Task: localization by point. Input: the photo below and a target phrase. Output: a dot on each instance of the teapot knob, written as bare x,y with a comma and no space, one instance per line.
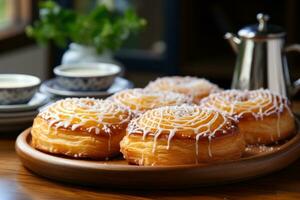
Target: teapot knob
262,20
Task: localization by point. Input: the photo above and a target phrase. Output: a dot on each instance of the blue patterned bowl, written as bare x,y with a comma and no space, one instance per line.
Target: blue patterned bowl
17,88
87,76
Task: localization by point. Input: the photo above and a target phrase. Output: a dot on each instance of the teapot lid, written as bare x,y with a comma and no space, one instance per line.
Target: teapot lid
262,30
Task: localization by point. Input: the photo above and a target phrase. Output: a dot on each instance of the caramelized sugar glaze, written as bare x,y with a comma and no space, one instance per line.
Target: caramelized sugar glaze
264,117
185,134
81,127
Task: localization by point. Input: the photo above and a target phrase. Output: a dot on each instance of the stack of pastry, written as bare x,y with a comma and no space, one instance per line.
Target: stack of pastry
173,121
263,116
186,134
82,128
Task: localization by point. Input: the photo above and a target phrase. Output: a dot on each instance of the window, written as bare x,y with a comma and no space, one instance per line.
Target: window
14,16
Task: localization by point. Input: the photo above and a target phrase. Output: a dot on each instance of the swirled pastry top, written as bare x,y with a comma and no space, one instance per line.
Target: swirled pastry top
91,115
141,100
184,121
255,103
187,85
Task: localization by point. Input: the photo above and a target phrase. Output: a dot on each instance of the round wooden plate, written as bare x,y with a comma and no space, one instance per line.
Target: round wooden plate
117,173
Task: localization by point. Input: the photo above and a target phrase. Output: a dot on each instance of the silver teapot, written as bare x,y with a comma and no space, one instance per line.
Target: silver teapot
261,60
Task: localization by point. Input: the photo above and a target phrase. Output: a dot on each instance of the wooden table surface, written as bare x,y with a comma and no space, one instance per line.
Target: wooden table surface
17,183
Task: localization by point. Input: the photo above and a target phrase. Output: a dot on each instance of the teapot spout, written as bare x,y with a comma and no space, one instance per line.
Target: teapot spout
233,40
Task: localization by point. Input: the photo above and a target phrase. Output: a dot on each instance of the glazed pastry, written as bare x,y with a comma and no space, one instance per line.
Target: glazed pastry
179,135
197,88
264,117
81,128
140,100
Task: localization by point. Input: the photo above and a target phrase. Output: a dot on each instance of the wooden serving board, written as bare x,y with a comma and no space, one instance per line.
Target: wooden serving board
118,174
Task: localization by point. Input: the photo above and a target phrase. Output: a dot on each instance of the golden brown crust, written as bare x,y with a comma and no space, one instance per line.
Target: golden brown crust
77,144
140,100
267,130
181,151
75,128
179,135
263,116
197,88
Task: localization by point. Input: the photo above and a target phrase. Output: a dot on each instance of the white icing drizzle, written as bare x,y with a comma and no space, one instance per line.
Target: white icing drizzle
278,124
257,103
156,135
170,136
209,146
195,121
188,85
109,142
140,100
89,114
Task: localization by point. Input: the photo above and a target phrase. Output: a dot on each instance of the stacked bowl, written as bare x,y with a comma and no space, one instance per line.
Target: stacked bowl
19,101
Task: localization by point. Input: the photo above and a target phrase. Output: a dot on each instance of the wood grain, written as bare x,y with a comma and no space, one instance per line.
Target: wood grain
117,173
17,183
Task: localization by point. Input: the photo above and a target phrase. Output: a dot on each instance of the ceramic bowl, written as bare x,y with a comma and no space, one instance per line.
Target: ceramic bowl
17,88
87,76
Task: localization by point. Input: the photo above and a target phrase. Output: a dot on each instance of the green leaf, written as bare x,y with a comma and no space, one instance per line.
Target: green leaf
101,28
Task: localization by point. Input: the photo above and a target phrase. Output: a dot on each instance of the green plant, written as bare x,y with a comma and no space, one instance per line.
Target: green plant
100,28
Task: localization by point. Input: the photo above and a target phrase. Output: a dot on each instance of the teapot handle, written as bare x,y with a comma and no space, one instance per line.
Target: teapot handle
291,48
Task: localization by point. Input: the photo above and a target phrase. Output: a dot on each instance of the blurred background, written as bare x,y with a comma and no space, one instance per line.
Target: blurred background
182,37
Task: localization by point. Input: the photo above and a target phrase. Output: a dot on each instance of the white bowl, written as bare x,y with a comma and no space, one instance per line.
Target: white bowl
87,76
17,88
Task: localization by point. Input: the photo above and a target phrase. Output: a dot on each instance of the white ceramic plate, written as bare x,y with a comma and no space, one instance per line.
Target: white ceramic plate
50,87
38,100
